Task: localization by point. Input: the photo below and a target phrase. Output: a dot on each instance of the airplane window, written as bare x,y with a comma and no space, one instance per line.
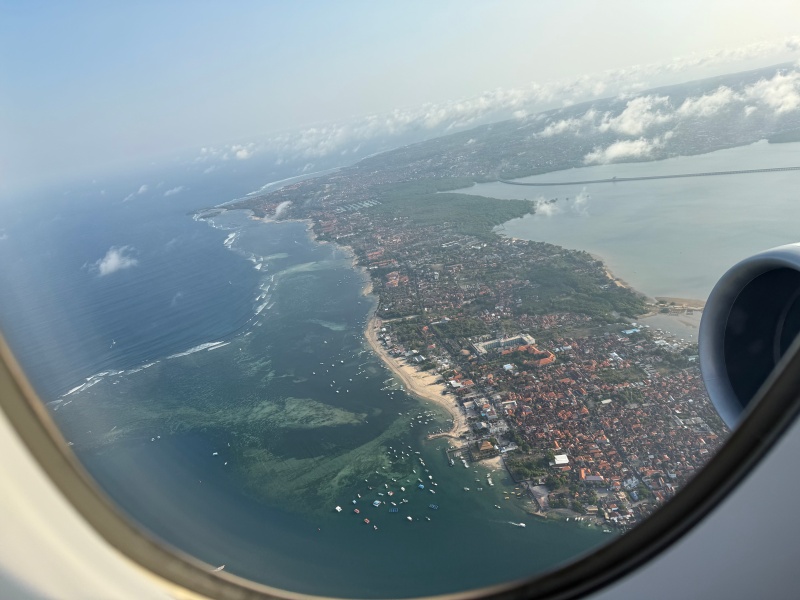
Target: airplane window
311,305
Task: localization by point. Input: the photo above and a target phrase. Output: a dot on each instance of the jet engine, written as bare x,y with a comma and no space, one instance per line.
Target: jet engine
751,318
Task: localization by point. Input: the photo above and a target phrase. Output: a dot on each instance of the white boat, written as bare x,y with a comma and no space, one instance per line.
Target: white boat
517,524
338,509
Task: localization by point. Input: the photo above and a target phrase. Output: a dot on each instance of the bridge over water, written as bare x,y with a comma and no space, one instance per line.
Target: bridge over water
650,177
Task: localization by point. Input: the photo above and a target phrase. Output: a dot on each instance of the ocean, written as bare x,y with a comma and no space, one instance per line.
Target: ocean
211,372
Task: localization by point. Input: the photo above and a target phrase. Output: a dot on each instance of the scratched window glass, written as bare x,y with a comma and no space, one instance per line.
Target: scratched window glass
342,300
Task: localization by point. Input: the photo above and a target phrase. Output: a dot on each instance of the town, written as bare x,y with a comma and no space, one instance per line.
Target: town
595,418
537,349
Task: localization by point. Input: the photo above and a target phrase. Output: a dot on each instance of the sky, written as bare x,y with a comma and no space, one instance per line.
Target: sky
88,85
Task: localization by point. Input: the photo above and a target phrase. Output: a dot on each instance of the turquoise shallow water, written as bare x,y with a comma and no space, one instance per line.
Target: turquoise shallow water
238,449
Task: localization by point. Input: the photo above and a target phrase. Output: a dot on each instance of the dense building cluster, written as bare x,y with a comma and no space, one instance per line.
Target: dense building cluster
597,418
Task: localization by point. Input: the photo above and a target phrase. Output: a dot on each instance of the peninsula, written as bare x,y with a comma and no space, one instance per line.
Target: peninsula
534,349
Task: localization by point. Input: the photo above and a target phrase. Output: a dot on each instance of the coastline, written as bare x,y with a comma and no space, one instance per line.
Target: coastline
423,385
427,386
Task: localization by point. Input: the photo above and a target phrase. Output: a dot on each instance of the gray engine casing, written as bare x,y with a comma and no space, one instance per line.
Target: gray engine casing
749,321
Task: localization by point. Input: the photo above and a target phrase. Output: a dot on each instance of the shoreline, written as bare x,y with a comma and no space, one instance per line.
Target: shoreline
422,384
425,385
678,306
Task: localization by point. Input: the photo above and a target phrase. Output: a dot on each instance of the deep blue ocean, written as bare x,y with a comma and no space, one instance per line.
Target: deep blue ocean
211,372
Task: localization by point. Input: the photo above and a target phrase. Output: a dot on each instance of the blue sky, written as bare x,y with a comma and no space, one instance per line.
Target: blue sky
88,84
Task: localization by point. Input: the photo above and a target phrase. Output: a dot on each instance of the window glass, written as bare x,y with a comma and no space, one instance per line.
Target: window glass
313,305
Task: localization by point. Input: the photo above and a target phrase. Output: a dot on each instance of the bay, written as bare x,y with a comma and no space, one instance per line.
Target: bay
667,237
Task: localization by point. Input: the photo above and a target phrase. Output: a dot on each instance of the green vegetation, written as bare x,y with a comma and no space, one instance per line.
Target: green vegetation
628,395
622,375
524,467
423,203
567,284
462,328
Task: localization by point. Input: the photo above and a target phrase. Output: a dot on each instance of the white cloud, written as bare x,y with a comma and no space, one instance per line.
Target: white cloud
175,190
281,208
580,205
3,235
545,208
116,259
640,114
749,110
781,93
624,149
142,190
210,169
572,125
562,126
707,105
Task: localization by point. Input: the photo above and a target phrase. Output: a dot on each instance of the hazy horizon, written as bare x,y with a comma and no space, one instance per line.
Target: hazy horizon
98,86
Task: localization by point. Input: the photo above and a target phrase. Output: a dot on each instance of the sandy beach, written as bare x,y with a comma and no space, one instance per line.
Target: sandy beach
424,385
683,302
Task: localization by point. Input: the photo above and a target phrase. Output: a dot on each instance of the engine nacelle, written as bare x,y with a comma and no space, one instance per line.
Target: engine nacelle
750,319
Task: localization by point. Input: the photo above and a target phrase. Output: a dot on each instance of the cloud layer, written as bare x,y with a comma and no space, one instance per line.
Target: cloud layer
640,114
771,97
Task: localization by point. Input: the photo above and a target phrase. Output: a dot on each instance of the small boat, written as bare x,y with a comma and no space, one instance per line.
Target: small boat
466,489
376,503
433,506
409,518
420,486
355,510
366,521
497,506
355,502
427,518
338,509
517,524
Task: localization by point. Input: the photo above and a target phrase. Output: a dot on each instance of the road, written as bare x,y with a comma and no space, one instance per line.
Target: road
649,177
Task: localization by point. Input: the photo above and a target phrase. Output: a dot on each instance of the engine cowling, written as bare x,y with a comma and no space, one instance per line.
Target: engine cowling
749,321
